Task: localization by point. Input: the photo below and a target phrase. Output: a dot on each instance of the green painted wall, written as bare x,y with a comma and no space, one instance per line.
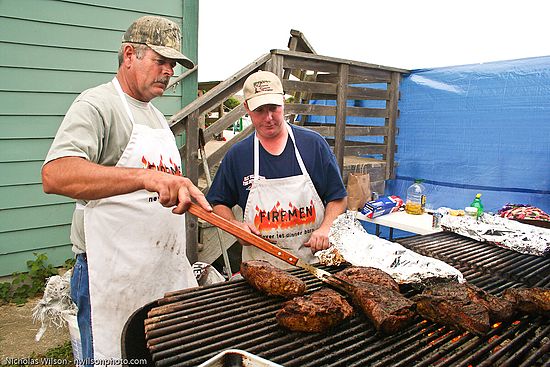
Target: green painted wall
50,51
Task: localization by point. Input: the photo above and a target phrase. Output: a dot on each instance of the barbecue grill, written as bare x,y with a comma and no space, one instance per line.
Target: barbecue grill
188,327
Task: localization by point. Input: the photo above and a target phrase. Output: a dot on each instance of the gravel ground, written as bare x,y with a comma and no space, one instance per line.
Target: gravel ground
17,333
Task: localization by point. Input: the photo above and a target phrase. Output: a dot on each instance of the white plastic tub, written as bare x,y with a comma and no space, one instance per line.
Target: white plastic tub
236,357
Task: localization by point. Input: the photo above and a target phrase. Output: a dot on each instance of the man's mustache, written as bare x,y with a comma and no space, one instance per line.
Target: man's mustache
163,80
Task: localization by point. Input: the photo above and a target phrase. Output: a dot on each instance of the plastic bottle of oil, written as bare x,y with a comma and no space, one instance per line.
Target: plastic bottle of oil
416,198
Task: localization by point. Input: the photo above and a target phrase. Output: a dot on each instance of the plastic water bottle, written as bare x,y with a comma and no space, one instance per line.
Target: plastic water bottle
416,198
478,205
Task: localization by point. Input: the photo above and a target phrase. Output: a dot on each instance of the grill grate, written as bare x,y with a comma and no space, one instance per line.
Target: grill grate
191,326
456,250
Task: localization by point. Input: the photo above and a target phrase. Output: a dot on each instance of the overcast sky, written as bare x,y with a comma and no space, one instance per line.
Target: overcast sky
399,33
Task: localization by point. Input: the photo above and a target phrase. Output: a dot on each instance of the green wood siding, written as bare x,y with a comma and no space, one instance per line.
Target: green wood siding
50,51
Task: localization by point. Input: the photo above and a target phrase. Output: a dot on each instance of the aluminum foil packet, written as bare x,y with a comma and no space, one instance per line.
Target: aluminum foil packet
206,274
503,232
350,241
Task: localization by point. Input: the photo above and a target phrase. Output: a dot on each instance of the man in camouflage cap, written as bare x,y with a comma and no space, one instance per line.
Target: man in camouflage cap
115,154
160,34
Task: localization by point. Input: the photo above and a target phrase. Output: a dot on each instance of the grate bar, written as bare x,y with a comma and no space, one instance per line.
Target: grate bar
193,326
525,348
454,249
514,345
492,342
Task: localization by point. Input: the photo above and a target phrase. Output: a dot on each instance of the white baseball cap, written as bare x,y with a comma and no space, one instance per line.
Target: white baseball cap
261,88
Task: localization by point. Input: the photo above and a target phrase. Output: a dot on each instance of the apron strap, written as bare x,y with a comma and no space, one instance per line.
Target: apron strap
123,99
122,96
160,116
256,158
298,155
296,151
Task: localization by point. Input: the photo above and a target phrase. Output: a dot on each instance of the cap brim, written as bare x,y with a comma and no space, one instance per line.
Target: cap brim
170,53
270,98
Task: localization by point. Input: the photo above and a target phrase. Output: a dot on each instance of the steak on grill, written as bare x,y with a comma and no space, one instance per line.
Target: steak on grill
389,310
529,300
463,305
315,313
367,275
269,279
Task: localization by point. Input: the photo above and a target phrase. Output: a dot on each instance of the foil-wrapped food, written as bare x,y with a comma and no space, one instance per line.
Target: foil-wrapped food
351,243
523,238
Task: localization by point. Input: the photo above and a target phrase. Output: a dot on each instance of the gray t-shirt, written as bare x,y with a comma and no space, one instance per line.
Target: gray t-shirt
97,128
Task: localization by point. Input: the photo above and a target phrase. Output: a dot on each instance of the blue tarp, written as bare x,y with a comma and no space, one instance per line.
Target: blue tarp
476,128
473,128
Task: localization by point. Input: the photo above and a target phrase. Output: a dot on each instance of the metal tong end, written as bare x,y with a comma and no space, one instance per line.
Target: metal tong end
323,275
328,278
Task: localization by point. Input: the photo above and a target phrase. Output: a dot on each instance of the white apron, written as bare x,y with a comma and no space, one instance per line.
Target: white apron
135,246
286,210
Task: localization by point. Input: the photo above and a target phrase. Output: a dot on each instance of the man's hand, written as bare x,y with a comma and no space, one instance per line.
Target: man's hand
318,240
175,191
248,227
226,212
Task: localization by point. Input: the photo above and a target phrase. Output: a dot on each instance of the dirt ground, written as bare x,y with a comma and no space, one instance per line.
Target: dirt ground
17,333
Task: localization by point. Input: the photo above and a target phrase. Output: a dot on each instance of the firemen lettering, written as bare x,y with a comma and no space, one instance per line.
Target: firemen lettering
285,215
281,218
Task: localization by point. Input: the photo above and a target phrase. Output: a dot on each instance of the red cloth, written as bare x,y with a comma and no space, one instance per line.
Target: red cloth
522,211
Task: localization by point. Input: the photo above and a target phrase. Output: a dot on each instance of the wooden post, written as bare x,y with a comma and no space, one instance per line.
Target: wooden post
276,65
292,44
391,123
341,114
192,173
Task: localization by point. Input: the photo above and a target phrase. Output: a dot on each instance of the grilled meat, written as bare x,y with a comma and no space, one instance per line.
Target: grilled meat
389,310
368,275
499,309
529,300
314,313
269,279
462,305
458,313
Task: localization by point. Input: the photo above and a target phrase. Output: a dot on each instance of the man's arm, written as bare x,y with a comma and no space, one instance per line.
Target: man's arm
319,238
79,178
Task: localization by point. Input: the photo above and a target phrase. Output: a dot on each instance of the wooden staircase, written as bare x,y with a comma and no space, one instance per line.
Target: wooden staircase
343,86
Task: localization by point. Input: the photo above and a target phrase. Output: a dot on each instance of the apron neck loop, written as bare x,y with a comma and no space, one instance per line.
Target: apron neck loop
123,99
298,155
256,157
257,153
122,96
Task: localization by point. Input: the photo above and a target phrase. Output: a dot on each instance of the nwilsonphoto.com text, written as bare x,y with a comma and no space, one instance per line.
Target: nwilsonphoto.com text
65,362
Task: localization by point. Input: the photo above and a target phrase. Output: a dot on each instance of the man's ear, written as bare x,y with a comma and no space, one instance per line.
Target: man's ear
246,107
127,54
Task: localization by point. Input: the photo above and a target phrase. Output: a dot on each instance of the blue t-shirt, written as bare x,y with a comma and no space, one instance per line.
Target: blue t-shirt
233,179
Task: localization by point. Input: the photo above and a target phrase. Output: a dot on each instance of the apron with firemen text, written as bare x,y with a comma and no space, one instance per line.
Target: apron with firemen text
135,246
286,210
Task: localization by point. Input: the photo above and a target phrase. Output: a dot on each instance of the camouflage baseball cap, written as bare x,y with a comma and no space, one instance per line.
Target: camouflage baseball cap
160,34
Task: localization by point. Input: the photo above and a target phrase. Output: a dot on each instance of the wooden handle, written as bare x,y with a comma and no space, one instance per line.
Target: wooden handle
242,234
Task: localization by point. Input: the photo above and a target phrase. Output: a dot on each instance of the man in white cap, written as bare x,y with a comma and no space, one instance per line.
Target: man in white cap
115,154
285,178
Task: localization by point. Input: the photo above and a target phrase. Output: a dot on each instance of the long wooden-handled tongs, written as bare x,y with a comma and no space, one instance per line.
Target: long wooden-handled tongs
202,143
270,248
